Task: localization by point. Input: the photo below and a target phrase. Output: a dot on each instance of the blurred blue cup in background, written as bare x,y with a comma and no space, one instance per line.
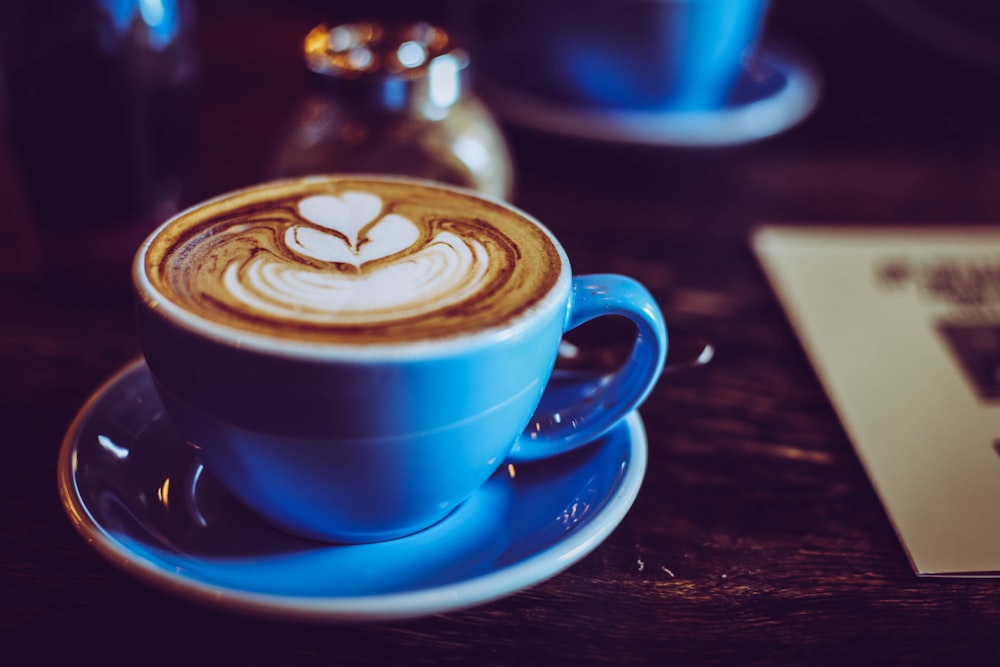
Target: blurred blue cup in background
675,55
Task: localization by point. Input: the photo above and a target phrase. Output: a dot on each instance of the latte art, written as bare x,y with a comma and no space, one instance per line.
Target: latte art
347,260
446,270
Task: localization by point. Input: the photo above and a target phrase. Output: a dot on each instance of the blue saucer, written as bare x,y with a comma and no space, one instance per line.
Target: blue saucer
778,91
139,495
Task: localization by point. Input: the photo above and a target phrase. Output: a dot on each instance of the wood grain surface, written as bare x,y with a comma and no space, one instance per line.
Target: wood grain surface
757,537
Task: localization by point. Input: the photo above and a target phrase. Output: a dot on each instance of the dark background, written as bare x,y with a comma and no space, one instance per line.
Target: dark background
757,537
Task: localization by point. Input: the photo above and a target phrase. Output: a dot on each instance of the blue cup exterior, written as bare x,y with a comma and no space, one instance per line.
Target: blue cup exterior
367,443
676,55
350,451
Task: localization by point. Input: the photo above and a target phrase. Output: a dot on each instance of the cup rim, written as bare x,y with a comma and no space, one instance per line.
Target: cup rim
150,299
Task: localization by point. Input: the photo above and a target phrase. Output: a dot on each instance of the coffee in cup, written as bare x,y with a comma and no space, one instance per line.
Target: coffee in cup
353,356
353,262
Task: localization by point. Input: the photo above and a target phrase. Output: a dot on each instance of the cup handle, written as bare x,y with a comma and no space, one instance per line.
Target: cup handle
576,410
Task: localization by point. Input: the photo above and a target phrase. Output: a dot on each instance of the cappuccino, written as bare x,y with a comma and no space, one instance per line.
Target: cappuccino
352,260
353,356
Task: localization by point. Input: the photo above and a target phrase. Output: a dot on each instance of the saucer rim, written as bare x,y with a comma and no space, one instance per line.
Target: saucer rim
503,581
722,128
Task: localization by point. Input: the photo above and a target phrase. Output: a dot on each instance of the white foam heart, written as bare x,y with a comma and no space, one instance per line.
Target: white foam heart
349,215
393,233
346,214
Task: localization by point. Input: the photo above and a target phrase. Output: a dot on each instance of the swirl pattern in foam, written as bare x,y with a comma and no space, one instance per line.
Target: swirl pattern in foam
352,260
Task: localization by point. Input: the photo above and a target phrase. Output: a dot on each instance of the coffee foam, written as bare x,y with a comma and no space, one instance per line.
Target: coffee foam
353,260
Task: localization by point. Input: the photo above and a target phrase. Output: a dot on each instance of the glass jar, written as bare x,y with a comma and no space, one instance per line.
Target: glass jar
393,99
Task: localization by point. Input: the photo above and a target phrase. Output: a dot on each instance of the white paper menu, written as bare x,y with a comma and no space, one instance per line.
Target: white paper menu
903,328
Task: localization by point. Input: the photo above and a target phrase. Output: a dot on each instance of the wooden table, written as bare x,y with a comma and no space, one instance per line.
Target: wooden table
756,538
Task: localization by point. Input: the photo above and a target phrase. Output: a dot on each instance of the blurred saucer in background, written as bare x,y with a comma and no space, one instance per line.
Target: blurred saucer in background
776,91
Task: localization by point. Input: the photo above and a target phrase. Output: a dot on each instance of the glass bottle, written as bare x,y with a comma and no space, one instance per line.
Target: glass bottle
393,99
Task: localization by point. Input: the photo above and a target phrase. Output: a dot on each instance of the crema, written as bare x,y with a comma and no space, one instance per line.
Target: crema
353,260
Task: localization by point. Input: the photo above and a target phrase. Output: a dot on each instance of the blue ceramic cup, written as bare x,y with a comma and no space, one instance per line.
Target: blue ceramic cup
358,423
665,55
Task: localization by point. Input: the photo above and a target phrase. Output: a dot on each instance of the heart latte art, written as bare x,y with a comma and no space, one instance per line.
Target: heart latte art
352,260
